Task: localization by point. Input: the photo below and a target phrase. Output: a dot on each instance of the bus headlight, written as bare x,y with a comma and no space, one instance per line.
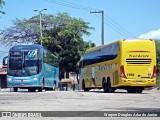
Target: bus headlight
35,78
9,79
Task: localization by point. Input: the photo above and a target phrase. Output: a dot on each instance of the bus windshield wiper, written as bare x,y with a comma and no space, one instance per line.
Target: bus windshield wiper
16,70
26,71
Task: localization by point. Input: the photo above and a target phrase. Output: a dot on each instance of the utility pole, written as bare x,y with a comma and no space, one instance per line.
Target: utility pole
102,32
40,22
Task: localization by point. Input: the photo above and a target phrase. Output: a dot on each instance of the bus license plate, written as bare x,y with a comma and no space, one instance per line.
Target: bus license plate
22,85
139,82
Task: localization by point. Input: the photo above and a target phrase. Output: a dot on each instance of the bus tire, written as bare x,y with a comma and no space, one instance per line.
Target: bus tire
109,87
140,90
131,90
54,85
83,86
104,86
40,89
32,89
15,89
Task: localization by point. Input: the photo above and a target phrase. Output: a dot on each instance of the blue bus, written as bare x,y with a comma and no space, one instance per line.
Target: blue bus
32,67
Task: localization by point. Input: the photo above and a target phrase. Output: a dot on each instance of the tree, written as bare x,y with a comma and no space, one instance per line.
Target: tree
158,60
1,6
22,32
62,35
158,55
66,41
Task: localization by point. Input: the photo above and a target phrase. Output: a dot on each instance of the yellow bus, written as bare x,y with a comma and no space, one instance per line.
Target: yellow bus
125,64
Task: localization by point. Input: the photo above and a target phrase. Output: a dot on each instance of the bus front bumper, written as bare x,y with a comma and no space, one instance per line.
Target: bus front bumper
24,83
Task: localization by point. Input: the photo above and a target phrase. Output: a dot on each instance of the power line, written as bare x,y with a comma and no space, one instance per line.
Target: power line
122,28
122,34
120,31
69,4
108,23
84,7
112,23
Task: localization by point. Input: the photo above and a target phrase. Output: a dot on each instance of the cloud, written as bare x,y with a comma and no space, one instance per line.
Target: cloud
155,34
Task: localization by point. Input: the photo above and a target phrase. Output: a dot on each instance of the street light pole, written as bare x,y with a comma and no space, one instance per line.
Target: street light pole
40,22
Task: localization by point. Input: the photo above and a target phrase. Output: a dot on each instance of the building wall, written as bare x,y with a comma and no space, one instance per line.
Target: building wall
3,77
3,81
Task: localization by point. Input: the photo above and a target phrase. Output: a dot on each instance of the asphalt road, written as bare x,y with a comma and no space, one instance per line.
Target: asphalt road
107,104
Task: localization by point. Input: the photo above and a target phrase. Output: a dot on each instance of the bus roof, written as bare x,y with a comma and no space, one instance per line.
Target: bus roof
99,47
30,47
25,47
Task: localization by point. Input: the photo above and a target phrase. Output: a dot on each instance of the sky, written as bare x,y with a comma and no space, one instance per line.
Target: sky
123,19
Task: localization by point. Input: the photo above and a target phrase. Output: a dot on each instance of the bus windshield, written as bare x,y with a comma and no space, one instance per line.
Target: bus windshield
23,63
15,63
31,62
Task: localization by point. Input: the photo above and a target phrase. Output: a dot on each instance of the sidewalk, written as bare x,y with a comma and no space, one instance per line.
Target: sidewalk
6,89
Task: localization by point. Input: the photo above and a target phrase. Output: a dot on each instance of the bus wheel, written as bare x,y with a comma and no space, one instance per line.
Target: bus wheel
15,89
40,89
139,90
104,85
54,85
131,90
83,86
109,88
31,89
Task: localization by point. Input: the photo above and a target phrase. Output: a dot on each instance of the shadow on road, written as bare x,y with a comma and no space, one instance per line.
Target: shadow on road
116,92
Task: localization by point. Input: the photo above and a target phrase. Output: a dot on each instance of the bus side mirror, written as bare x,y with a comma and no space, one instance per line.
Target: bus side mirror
77,66
5,59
